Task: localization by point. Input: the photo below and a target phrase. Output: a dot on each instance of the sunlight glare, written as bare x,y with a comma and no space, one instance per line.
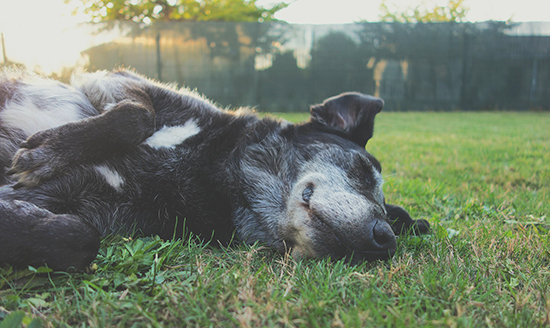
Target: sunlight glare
43,35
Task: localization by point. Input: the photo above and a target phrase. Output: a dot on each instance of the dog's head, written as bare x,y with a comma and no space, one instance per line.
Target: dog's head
313,190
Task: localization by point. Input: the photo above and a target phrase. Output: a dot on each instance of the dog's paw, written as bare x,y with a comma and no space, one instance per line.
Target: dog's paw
411,227
38,159
421,226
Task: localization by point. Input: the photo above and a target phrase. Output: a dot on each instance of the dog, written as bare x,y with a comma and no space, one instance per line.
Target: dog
117,153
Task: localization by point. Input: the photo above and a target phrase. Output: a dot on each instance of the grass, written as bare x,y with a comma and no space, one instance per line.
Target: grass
481,179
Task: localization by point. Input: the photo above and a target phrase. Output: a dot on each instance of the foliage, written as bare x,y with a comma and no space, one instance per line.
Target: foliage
453,11
479,178
146,12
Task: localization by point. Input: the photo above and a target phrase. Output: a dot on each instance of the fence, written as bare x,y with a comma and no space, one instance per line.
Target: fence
281,67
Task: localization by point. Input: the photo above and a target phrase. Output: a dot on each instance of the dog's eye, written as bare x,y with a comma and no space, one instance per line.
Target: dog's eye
307,193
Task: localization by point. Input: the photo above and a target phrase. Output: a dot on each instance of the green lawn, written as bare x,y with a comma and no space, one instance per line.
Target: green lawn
481,179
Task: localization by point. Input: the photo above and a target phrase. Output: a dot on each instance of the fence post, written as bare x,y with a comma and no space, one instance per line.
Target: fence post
4,50
159,62
533,93
465,100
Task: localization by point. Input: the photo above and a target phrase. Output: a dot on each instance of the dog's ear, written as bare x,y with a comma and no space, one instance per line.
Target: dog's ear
351,113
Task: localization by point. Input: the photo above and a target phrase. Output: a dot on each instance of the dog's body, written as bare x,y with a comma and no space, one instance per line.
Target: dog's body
117,153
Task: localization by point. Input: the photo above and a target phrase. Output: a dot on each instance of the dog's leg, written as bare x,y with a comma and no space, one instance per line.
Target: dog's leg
30,235
401,221
92,140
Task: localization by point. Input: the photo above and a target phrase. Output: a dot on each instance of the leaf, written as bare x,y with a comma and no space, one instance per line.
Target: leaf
452,233
41,269
415,241
38,302
159,279
13,320
35,323
441,232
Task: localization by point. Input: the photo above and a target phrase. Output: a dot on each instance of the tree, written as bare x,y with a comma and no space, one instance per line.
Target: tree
454,11
146,12
235,43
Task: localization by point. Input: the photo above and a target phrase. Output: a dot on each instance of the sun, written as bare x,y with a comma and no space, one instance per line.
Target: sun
42,34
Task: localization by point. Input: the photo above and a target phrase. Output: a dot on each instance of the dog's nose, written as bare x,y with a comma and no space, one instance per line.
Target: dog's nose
380,241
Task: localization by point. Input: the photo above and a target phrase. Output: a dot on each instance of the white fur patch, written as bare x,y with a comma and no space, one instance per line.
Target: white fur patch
42,105
111,177
85,81
378,192
171,136
97,86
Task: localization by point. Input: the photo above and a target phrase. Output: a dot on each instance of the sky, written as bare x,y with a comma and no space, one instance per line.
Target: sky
42,35
348,11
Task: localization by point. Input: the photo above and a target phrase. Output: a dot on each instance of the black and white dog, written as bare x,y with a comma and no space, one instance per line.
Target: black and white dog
117,153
